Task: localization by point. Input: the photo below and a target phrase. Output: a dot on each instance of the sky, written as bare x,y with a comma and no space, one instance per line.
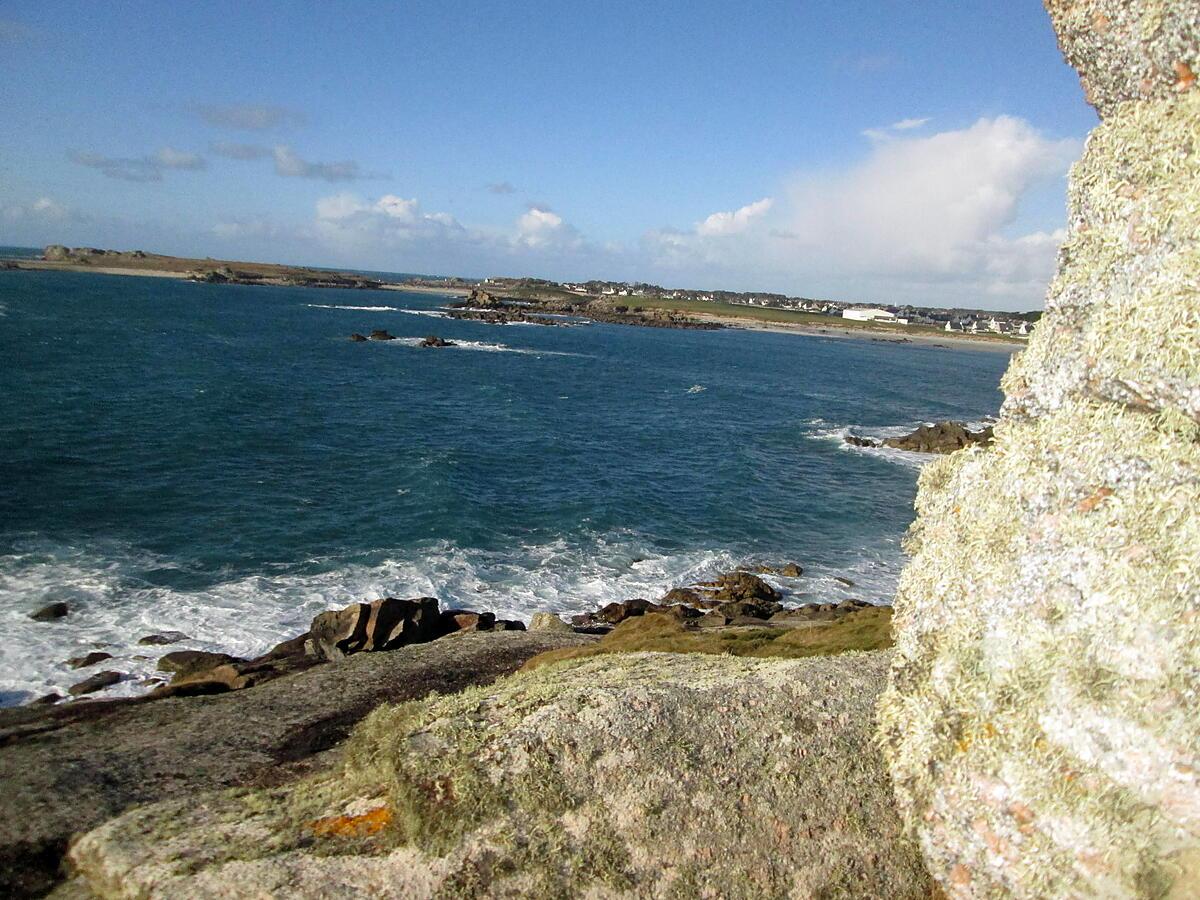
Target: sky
882,152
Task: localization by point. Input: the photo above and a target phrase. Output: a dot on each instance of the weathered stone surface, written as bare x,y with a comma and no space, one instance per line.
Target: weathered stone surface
67,768
468,620
647,775
732,586
378,625
1040,725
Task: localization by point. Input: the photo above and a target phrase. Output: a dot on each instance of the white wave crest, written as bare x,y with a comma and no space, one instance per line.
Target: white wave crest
357,308
117,595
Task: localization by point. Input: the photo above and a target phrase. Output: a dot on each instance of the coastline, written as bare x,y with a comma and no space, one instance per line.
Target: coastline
867,333
278,275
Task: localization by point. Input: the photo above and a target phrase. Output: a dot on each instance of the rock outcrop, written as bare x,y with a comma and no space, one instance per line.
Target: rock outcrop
648,775
378,625
1040,725
65,769
943,437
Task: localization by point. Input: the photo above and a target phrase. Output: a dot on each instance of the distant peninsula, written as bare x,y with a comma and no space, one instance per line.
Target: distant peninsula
504,300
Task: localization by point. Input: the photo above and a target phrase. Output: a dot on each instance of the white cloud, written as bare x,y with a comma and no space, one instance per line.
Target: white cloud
290,165
920,217
170,158
249,116
139,168
233,150
43,209
540,228
890,131
739,220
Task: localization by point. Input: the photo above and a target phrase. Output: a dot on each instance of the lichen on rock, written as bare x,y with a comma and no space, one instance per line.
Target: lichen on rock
650,775
1040,720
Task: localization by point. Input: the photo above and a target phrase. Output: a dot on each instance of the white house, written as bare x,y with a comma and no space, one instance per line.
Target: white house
871,315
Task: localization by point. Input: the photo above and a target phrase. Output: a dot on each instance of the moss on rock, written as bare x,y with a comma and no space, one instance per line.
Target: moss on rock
865,629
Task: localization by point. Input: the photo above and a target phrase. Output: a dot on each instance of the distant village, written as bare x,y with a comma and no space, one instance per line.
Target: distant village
969,321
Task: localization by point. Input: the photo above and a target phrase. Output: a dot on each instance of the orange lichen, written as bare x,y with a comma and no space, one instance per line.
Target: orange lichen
364,825
1095,500
1185,77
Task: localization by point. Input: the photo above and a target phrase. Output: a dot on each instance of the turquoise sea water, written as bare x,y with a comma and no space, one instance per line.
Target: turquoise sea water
222,461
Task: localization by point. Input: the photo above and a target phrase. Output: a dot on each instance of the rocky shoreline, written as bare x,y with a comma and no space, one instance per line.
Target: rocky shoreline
288,708
736,599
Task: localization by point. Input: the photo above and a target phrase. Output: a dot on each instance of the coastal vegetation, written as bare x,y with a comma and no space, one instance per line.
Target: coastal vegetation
868,628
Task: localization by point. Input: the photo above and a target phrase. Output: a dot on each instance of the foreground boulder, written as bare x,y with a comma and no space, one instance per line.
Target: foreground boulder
1041,725
378,625
632,775
66,769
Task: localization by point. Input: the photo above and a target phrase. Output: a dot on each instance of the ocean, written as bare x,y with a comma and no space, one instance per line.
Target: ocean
222,461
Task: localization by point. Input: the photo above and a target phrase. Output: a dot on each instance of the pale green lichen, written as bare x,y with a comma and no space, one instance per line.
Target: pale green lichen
1039,725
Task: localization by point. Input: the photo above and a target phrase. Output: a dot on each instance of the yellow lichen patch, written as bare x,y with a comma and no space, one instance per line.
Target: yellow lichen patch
353,826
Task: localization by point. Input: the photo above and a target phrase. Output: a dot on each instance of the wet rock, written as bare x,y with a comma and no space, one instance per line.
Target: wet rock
90,659
786,570
467,620
47,700
166,637
509,625
846,581
358,338
378,625
751,609
381,334
50,612
97,682
734,586
680,595
185,663
944,437
434,341
548,621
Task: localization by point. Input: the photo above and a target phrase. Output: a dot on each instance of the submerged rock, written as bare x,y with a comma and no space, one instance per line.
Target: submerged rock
434,341
358,338
166,637
635,775
50,612
89,659
381,334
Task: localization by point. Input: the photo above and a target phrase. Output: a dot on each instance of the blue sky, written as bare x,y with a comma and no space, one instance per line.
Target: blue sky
876,151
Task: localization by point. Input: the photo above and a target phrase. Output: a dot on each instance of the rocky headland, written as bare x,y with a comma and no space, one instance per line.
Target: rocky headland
482,306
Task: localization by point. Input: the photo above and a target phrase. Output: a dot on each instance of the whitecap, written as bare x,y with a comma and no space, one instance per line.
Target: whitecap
356,308
117,595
